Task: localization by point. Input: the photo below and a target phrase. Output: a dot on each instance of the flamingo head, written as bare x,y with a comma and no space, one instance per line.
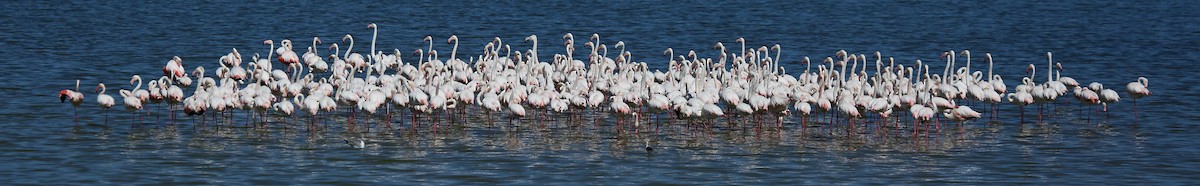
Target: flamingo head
333,46
238,56
531,38
62,95
135,78
347,37
452,39
370,26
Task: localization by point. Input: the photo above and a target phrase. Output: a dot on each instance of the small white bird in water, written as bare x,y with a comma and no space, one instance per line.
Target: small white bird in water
360,144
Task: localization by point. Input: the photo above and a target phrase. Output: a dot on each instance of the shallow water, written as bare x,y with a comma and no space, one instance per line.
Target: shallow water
50,44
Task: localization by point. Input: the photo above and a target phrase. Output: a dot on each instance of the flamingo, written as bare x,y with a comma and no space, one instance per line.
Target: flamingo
197,103
961,114
288,57
920,114
1106,95
311,105
285,106
173,94
516,109
1137,90
1052,83
315,62
104,100
619,107
1086,95
174,68
75,97
132,103
490,101
1068,81
997,85
354,60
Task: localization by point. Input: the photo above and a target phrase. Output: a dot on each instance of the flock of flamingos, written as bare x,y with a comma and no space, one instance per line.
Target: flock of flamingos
742,86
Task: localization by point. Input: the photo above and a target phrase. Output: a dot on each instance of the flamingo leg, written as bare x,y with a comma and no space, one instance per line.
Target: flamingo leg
803,124
1022,110
1135,118
1039,113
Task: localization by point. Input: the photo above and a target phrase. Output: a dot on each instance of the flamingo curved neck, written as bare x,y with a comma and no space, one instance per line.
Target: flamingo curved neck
270,52
373,37
139,83
349,48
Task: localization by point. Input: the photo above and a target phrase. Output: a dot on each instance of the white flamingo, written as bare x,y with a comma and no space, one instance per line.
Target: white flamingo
132,103
104,100
1137,90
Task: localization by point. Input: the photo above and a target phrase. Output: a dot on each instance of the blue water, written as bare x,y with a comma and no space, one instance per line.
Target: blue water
47,45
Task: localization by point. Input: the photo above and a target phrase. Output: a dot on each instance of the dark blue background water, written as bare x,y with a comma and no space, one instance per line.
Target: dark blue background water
47,45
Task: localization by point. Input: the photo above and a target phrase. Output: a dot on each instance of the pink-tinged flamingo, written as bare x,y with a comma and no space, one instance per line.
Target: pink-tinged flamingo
174,68
75,97
287,56
1087,96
